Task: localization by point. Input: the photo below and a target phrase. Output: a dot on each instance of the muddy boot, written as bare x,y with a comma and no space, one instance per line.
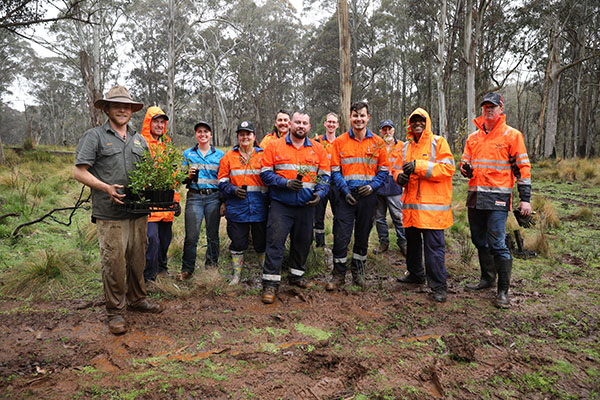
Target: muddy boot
383,247
319,239
504,268
358,273
336,282
488,271
237,260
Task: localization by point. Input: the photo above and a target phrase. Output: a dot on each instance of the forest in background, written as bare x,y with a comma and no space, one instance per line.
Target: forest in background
228,60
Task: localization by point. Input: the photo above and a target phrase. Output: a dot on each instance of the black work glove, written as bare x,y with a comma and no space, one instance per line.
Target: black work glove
241,193
365,190
314,201
402,179
350,199
294,184
177,209
526,221
515,168
467,170
409,167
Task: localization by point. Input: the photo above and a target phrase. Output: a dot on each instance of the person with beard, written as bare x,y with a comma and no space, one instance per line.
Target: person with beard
296,169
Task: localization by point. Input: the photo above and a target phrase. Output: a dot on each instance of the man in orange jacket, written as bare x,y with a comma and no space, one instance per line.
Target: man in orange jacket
280,128
426,173
160,224
493,157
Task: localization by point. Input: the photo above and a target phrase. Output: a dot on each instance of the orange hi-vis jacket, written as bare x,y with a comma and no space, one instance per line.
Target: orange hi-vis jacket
327,145
357,163
428,195
391,188
283,161
152,144
493,179
269,138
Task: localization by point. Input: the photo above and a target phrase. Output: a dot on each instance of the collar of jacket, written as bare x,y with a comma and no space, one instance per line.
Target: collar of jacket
256,148
367,135
307,142
500,125
210,151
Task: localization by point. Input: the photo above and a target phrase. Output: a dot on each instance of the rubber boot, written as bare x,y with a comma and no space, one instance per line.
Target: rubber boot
488,271
358,272
319,239
504,268
338,277
237,260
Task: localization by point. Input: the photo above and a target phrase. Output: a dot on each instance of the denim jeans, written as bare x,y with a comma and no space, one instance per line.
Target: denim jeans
394,204
160,234
488,231
197,208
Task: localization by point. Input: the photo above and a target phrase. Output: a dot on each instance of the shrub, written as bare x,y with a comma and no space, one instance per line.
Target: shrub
583,213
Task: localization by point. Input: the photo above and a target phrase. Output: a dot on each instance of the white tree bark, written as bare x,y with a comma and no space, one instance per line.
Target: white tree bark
171,60
345,75
441,52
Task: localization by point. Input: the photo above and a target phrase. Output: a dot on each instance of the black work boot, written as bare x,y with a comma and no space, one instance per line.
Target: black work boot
504,268
358,272
319,239
488,271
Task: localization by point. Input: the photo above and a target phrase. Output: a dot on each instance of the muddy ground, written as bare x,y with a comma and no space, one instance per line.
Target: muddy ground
389,341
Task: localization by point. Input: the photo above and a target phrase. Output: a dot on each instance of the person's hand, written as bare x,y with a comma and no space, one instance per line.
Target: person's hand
409,167
294,184
177,209
115,196
314,201
524,215
525,208
222,209
466,170
241,193
350,199
402,179
365,190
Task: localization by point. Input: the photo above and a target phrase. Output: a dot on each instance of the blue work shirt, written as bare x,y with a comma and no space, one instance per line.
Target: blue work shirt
208,167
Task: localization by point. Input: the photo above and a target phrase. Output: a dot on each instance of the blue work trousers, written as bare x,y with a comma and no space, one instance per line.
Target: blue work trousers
432,244
394,204
488,231
322,207
284,220
239,233
200,207
160,234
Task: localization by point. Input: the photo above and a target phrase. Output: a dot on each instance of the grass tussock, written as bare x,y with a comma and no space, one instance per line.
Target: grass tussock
583,213
209,281
546,210
48,274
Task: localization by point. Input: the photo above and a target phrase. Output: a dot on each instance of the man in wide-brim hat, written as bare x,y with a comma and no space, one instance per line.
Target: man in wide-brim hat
105,157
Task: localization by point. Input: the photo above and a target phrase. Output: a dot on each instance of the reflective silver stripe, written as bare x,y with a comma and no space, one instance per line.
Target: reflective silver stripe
499,162
239,172
296,272
208,181
267,277
392,160
208,167
340,260
323,172
262,189
506,133
426,207
449,161
309,185
223,180
236,253
319,230
525,161
430,166
499,168
359,257
404,150
265,169
523,181
490,189
383,168
434,142
466,157
358,177
285,166
356,160
336,169
522,155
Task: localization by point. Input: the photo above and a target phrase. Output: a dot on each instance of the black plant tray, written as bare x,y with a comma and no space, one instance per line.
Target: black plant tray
150,206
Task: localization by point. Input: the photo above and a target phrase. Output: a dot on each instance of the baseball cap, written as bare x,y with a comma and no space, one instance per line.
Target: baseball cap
202,123
493,98
386,122
245,126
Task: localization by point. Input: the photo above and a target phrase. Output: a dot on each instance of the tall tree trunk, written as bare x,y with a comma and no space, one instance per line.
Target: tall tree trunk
171,60
553,99
345,76
470,46
443,120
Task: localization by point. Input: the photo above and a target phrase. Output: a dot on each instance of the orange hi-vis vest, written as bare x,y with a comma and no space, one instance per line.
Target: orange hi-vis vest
152,144
493,179
269,138
427,197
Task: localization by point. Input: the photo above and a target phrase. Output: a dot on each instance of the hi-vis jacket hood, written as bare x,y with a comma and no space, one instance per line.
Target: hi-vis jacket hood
428,194
152,143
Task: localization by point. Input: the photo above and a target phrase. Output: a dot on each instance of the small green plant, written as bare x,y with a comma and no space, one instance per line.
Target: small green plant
313,332
160,171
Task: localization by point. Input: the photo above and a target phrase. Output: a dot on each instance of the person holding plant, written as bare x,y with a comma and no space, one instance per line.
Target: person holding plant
202,201
359,167
160,224
425,170
245,198
296,169
105,156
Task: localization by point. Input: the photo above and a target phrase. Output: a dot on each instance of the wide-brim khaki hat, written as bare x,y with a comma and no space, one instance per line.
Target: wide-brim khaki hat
118,94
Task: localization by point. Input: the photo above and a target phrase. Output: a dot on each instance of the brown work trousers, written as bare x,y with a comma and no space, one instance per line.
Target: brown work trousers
123,258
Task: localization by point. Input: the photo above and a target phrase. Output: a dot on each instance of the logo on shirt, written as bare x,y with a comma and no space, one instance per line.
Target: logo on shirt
500,203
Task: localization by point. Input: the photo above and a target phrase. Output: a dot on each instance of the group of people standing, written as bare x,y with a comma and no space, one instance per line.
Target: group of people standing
281,189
